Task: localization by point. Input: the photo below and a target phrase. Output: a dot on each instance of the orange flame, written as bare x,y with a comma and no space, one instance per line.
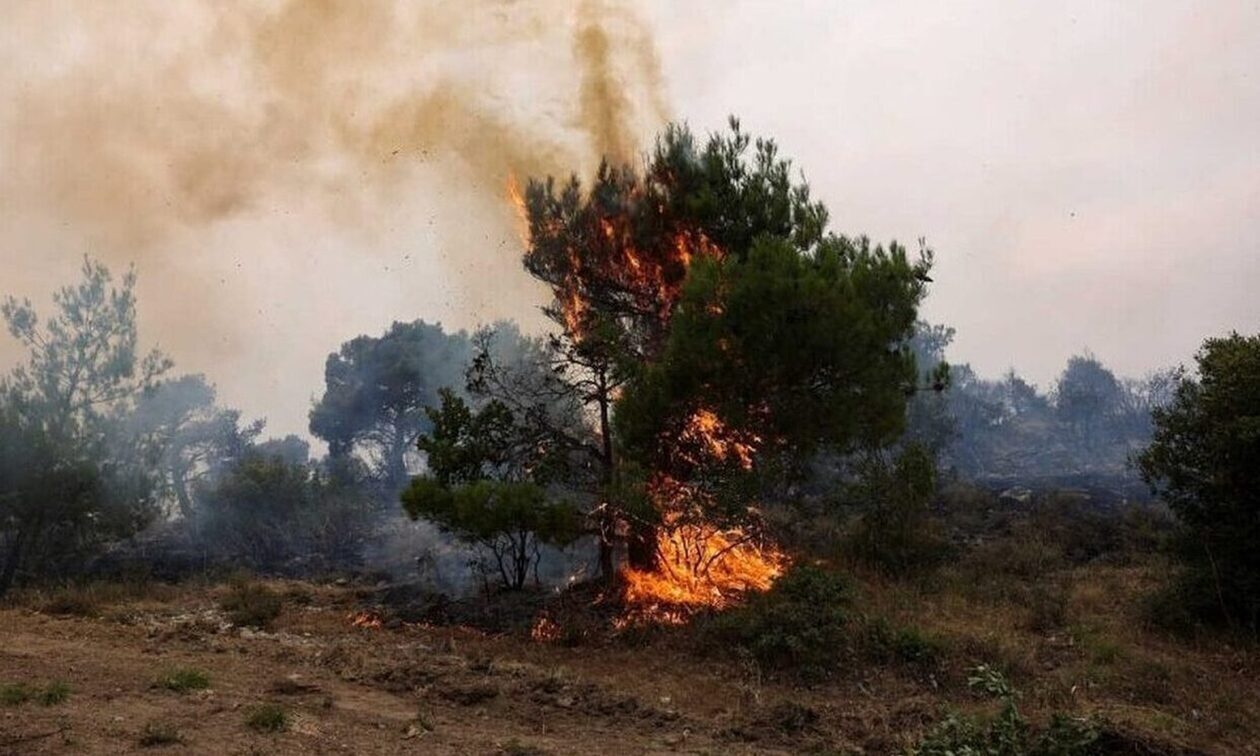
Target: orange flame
700,566
367,619
517,198
707,430
545,630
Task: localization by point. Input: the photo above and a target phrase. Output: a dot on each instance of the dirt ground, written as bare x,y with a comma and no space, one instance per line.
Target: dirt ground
346,689
455,690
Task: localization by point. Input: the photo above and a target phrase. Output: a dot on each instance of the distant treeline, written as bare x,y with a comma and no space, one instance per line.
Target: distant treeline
1088,425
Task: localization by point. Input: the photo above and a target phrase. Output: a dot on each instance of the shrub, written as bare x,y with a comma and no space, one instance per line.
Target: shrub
906,645
1007,733
267,718
1204,460
895,532
1047,606
75,602
183,680
14,694
54,693
252,605
798,625
159,734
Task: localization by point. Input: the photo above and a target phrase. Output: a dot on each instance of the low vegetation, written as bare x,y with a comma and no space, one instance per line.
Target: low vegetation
251,604
183,680
799,626
267,718
159,734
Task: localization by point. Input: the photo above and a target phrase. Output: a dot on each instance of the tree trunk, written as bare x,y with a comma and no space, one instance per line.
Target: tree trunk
608,519
641,547
11,561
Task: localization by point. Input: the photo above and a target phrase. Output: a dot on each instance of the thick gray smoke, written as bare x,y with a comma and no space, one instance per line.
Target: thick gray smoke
290,173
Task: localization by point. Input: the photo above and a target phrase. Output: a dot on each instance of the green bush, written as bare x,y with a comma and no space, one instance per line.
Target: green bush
1204,461
252,605
1007,733
799,625
54,693
14,694
895,531
267,718
905,645
183,680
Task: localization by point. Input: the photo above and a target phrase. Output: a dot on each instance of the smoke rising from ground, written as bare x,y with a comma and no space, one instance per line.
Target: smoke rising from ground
289,174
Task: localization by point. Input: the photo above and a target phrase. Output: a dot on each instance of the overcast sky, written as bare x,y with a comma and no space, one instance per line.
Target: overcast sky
1087,173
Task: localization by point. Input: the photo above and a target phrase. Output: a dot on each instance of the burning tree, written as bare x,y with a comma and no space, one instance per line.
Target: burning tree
714,334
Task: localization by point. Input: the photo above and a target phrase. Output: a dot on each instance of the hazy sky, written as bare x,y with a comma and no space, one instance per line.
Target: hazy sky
1088,173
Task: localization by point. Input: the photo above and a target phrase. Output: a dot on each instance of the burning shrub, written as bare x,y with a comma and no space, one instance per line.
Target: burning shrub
799,624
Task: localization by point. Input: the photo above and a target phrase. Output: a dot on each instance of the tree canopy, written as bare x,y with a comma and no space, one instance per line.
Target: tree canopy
1204,460
712,329
376,390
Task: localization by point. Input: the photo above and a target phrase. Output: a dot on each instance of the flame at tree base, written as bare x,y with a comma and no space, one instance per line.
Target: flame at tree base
700,567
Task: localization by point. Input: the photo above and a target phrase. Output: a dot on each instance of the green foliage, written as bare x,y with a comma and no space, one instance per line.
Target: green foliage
895,531
14,694
904,645
67,483
709,281
267,718
376,391
799,625
1204,460
54,693
183,680
1086,394
189,438
250,604
508,519
267,510
789,348
1007,733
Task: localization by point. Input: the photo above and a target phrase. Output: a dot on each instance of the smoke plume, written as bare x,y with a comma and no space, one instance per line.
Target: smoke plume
288,173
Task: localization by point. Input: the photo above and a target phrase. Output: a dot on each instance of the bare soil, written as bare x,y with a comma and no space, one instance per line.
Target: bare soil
414,687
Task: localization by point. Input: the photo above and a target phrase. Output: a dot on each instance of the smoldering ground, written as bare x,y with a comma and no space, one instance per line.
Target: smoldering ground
289,173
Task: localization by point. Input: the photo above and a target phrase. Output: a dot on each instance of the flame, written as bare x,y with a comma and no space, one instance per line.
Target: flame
517,199
367,619
707,430
700,566
545,630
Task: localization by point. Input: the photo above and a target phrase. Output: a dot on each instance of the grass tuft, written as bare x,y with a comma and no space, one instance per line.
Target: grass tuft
184,679
56,692
268,718
14,694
